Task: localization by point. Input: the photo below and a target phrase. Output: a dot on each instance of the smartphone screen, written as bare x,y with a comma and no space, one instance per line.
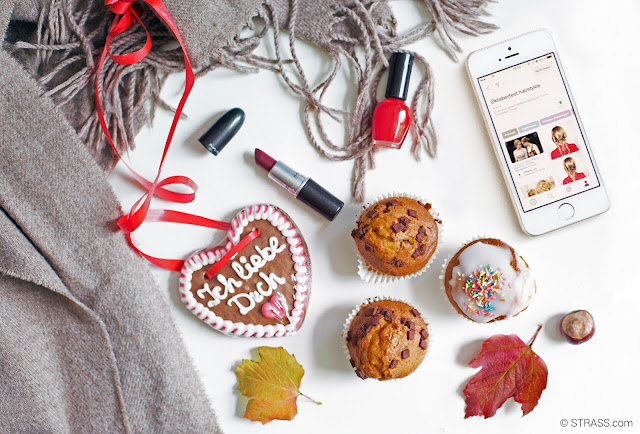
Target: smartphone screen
538,132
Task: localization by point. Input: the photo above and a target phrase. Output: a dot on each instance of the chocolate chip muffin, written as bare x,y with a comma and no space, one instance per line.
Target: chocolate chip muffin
396,236
386,339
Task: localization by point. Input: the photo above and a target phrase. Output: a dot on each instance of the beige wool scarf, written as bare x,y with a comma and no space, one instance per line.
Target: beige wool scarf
87,343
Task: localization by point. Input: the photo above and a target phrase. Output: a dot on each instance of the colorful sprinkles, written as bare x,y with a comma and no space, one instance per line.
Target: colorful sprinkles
483,287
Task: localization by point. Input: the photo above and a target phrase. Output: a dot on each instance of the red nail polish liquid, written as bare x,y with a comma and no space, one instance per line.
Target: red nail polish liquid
392,117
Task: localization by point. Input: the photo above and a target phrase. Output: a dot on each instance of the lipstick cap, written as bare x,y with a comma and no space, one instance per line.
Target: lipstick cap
399,75
320,199
222,131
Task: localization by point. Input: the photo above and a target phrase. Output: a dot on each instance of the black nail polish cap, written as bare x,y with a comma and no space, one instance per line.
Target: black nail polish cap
222,131
399,75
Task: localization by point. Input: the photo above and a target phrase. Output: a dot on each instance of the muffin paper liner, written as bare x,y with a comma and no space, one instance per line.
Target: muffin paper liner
443,289
368,273
352,315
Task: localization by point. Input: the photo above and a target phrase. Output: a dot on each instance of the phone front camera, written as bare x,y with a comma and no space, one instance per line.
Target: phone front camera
509,48
500,60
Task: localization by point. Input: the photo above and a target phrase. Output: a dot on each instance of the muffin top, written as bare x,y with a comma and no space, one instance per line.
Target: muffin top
387,339
486,280
396,236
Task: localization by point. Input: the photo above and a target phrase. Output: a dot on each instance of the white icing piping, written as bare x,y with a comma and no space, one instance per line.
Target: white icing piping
201,259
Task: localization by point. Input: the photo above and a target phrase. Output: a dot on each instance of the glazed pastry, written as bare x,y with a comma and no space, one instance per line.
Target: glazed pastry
386,339
396,236
487,281
263,290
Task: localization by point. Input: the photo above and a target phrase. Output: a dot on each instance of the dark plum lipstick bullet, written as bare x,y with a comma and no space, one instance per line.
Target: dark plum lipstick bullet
301,187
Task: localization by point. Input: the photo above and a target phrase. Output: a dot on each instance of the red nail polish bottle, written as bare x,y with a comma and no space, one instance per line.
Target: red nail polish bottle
392,117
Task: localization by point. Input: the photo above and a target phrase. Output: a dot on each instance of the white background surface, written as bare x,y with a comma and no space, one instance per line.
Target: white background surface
591,265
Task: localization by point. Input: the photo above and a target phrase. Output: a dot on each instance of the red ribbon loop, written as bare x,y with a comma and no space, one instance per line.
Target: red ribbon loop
171,216
130,17
127,15
119,6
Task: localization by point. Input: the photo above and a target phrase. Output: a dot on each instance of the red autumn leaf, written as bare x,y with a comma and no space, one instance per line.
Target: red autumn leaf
510,368
272,385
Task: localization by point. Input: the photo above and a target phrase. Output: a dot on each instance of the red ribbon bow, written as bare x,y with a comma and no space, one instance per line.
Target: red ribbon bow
128,15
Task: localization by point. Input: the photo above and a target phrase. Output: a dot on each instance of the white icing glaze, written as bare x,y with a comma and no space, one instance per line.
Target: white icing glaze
518,288
301,277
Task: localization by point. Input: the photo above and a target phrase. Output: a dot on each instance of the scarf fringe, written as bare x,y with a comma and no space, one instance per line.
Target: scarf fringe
62,45
366,54
64,64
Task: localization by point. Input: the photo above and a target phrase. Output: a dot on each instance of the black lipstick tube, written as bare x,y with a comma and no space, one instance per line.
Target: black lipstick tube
306,190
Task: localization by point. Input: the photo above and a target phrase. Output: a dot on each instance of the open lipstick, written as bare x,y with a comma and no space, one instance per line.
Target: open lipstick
303,188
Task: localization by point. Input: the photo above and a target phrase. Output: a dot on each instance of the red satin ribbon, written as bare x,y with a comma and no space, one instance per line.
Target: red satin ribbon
128,15
167,215
232,252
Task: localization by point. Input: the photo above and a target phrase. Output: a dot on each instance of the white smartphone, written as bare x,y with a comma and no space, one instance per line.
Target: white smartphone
537,133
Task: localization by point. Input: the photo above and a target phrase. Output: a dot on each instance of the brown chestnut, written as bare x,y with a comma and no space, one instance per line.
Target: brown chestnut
577,327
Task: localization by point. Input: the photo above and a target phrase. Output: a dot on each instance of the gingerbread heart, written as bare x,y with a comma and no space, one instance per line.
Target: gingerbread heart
242,298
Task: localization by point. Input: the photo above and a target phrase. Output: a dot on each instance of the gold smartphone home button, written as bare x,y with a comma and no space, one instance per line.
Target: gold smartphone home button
566,211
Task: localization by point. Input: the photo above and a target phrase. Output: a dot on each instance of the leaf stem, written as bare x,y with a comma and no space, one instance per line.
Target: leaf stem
309,398
535,335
